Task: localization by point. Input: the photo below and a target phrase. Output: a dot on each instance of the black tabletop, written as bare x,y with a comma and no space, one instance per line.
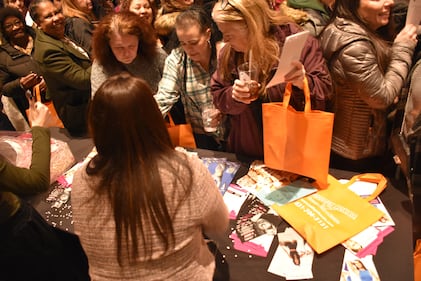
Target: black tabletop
393,259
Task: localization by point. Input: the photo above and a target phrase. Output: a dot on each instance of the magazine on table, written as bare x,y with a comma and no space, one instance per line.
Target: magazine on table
293,258
222,171
358,269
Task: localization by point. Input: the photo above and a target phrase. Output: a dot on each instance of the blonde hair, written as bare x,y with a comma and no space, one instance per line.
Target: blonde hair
72,9
260,20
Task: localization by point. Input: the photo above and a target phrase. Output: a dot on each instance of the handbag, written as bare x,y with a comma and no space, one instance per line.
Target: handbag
297,142
54,119
181,134
14,114
331,216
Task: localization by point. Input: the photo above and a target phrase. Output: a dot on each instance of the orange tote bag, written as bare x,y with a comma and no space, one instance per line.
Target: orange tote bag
181,134
295,141
54,120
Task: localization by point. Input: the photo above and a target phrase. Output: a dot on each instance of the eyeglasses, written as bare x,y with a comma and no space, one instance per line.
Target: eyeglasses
17,23
225,3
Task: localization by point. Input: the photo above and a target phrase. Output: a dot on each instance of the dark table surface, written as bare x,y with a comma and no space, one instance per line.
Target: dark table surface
393,260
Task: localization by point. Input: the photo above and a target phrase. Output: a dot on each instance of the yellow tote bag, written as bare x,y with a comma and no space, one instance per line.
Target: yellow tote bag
297,142
330,216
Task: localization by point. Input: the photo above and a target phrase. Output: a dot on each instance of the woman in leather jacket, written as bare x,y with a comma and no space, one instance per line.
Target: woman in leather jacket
368,73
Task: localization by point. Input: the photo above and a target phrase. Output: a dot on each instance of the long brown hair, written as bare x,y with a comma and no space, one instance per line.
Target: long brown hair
132,141
125,23
348,9
72,9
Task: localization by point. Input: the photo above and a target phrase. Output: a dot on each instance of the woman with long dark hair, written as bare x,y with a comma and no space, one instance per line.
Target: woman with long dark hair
368,73
80,22
140,207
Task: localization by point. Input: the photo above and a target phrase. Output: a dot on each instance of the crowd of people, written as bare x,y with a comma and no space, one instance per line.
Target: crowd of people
114,70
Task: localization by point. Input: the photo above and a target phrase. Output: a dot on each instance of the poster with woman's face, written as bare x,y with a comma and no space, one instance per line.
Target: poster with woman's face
254,220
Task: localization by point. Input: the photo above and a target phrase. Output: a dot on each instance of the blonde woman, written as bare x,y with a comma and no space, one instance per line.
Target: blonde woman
252,27
80,22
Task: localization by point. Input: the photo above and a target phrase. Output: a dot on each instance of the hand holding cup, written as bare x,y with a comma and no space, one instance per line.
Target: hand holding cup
246,88
211,118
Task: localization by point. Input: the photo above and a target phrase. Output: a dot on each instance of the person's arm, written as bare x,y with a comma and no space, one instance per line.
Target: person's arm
318,77
9,87
221,91
214,212
61,65
98,77
12,85
379,90
22,181
169,87
317,74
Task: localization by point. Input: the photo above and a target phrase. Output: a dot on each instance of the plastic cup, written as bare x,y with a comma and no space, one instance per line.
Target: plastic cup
250,75
209,114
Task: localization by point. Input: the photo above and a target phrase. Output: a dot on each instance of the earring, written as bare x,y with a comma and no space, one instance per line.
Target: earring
209,43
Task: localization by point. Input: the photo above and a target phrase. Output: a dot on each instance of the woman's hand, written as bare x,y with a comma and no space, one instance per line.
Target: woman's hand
42,85
39,114
296,74
245,91
30,80
408,33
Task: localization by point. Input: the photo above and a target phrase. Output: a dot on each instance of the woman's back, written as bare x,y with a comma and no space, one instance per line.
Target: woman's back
189,259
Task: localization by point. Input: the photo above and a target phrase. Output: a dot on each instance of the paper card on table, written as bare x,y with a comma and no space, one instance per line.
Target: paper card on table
227,176
258,246
293,258
413,15
386,220
254,219
367,241
234,197
291,51
216,167
260,176
285,194
371,249
358,269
